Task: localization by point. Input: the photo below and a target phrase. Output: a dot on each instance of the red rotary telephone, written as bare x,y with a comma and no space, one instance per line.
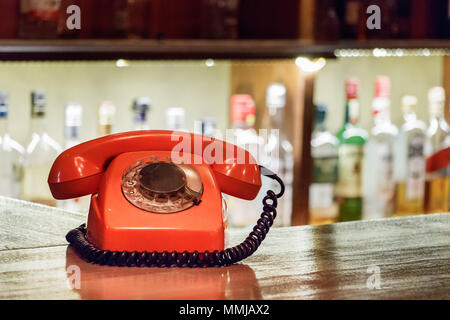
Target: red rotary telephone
156,198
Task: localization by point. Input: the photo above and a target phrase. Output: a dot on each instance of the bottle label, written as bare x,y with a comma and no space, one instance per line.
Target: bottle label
325,170
74,115
384,172
243,109
415,177
350,171
3,111
321,195
106,113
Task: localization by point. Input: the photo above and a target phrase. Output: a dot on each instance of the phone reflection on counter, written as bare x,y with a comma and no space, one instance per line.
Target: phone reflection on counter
235,282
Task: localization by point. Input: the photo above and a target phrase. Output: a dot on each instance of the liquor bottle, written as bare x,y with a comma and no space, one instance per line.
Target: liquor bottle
41,152
351,153
11,154
437,183
220,19
352,13
378,177
138,14
73,120
175,119
278,155
324,152
141,108
409,162
244,213
39,19
106,113
327,25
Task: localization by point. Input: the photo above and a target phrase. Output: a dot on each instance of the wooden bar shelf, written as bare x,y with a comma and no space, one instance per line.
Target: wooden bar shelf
105,49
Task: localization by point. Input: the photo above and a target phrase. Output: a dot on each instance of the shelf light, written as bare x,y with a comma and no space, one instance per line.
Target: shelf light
392,52
209,62
309,66
120,63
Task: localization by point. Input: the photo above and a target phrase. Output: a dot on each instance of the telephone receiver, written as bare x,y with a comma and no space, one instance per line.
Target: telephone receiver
157,198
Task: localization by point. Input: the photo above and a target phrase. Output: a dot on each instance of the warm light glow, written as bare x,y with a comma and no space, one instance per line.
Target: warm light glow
394,52
308,65
120,63
209,63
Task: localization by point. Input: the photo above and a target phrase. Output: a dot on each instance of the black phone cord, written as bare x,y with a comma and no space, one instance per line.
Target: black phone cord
77,238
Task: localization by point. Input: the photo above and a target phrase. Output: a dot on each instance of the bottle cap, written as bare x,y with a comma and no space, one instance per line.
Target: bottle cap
382,87
352,88
243,109
4,103
276,95
38,102
175,118
409,104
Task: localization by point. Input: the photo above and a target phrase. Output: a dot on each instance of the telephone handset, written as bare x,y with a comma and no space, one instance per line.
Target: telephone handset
156,198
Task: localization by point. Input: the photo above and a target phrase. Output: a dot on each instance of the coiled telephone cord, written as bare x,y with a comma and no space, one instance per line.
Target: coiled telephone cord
77,238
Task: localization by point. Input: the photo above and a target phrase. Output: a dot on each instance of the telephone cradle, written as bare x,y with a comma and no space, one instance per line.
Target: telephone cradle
156,198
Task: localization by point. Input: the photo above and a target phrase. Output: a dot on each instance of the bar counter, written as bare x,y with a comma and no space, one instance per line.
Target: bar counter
396,258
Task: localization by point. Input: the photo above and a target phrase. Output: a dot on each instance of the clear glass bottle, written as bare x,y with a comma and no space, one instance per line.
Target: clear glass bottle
437,183
244,213
278,156
351,154
41,152
11,154
106,113
175,118
378,177
324,152
409,162
73,117
141,108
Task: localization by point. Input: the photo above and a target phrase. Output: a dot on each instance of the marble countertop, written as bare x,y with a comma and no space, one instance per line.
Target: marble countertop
396,258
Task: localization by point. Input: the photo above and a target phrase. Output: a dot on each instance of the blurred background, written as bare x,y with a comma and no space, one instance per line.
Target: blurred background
74,70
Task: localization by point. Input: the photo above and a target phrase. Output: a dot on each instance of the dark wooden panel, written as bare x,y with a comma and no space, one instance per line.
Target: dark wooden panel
269,20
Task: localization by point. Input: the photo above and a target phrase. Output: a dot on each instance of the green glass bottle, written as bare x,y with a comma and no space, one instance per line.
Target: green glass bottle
351,153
